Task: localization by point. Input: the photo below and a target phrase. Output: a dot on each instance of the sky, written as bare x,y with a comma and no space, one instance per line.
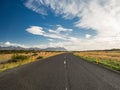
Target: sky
72,24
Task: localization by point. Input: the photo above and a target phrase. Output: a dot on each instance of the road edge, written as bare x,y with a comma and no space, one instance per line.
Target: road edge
100,65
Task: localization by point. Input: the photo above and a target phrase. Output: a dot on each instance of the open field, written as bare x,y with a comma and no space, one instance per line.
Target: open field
110,59
7,61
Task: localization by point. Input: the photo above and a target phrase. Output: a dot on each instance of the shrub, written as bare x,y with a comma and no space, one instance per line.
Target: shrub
16,58
39,57
35,54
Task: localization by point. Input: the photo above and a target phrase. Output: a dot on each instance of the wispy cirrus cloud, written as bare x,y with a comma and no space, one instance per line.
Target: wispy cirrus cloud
100,15
35,5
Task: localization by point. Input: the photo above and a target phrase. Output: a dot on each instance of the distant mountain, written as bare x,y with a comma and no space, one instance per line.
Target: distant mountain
34,48
55,49
12,48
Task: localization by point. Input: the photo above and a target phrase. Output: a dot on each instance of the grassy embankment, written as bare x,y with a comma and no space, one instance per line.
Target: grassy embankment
110,59
13,59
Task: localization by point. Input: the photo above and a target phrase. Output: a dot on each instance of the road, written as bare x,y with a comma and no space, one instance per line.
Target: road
61,72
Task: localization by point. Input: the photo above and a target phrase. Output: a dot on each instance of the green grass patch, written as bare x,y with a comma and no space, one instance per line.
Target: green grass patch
108,63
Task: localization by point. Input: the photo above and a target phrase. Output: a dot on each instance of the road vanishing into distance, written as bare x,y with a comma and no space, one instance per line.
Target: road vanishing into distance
61,72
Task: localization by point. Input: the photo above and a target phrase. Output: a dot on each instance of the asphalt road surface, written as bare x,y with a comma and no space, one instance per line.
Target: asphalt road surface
61,72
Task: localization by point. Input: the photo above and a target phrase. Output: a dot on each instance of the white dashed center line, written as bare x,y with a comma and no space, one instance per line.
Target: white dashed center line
65,62
66,89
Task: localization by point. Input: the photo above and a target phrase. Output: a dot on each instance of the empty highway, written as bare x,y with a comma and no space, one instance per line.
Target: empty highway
61,72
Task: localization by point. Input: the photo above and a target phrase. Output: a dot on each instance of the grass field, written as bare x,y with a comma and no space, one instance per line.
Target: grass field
5,57
6,61
110,59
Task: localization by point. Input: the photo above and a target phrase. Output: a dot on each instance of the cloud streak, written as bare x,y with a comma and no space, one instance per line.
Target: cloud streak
53,34
35,5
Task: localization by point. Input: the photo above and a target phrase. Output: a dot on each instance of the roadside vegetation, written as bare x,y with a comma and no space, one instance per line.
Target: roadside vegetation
110,59
13,58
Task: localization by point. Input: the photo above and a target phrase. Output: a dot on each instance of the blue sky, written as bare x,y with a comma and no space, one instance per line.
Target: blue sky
73,24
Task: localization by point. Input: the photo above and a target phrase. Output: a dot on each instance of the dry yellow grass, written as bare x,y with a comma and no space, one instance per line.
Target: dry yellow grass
48,54
8,56
43,54
110,59
32,58
109,55
5,56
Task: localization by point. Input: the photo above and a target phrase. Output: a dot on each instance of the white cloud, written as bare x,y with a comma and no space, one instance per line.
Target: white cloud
54,34
100,18
8,43
60,29
100,15
51,39
88,36
5,44
79,44
35,6
35,30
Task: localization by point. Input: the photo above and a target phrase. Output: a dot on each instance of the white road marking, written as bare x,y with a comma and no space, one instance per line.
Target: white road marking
66,88
64,62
